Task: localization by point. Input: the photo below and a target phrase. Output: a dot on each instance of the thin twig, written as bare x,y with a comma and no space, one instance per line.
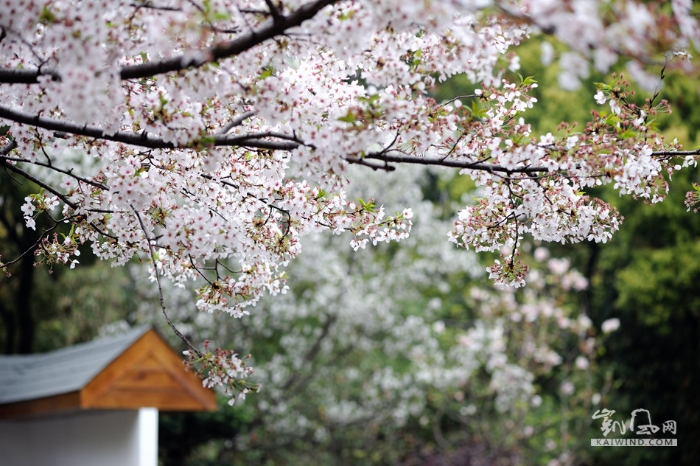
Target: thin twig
160,288
68,172
33,179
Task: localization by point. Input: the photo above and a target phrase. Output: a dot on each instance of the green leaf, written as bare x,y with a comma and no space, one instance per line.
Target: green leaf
70,233
221,16
346,15
368,206
47,16
349,118
628,134
529,80
612,120
267,72
476,110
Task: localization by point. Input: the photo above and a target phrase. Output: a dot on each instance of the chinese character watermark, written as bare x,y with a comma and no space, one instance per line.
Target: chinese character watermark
608,424
640,423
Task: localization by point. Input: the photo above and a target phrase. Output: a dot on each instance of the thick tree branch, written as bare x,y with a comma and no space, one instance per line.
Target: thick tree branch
274,11
279,25
373,165
254,140
464,164
8,148
16,76
282,142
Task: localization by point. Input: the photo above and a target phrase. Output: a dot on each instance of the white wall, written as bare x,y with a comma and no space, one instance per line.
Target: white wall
86,438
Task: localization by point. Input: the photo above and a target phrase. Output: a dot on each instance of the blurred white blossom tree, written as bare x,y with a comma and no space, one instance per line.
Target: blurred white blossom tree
390,337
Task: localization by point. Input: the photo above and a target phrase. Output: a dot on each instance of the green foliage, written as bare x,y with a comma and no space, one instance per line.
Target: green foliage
661,281
75,305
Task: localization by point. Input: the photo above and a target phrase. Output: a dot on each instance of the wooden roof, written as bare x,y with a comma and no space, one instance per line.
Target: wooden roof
130,371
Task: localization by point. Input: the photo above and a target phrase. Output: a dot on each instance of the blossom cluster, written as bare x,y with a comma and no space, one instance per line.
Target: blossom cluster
222,369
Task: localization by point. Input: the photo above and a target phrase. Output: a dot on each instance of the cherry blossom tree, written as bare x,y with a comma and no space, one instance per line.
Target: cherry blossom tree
209,137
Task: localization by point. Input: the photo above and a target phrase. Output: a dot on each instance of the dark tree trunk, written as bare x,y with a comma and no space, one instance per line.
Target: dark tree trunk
8,318
23,306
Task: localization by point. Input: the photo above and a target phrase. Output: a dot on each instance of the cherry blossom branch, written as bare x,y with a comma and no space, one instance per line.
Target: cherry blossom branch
199,270
235,122
68,172
37,181
61,196
146,140
195,59
160,288
30,249
271,205
678,153
255,140
454,163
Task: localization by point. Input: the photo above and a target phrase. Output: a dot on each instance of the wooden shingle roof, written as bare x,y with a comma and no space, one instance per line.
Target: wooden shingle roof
129,371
